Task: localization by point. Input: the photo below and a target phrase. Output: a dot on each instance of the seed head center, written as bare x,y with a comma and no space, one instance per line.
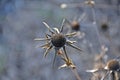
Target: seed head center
75,25
58,40
104,27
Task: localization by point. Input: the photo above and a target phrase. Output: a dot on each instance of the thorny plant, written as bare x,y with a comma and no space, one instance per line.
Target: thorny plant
112,68
69,64
57,40
99,64
92,5
75,25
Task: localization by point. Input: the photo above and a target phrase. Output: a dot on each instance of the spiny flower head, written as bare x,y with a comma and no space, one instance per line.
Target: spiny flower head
75,25
57,40
113,65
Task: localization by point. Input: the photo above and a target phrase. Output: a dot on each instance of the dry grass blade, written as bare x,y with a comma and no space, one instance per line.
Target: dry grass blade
71,34
41,39
47,50
48,27
63,66
48,36
68,22
82,17
61,28
92,71
94,15
71,42
54,58
45,45
73,46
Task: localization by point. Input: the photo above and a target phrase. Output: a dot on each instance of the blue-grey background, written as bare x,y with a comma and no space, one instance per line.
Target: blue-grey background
21,22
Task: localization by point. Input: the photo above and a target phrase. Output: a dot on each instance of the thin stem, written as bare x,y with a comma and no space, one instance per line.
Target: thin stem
61,28
71,34
65,52
82,17
41,39
73,46
103,78
98,35
112,76
94,15
47,50
76,73
99,38
95,23
44,45
50,29
117,75
54,58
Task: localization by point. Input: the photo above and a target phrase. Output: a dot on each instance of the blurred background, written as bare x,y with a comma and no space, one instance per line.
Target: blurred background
21,22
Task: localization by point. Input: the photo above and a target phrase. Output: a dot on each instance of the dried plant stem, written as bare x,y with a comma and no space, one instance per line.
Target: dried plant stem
112,76
76,73
117,75
94,15
103,78
65,52
95,23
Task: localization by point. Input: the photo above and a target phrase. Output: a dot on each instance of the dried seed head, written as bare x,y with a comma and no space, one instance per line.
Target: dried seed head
104,27
90,2
75,25
113,65
58,40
